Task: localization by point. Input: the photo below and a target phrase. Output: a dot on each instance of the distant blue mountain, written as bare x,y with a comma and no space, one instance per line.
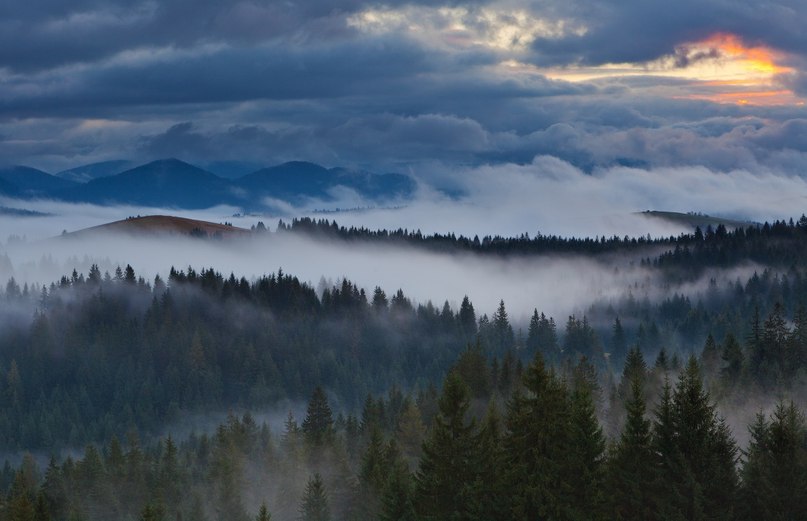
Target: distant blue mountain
86,173
32,182
7,188
173,183
231,169
167,183
297,180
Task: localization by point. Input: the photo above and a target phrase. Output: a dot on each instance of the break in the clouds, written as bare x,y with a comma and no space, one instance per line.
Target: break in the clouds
406,85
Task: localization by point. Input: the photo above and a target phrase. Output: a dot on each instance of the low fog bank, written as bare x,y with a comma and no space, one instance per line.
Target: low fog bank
554,197
548,195
555,285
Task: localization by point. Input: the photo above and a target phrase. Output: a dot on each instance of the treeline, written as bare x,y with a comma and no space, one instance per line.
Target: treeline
530,449
108,353
781,243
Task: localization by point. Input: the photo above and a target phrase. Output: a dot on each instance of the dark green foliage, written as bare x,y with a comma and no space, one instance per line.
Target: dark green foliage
318,424
263,514
710,358
585,464
619,341
774,475
103,356
152,513
502,337
537,445
444,478
467,319
542,337
397,503
733,360
631,468
581,340
314,504
696,454
472,368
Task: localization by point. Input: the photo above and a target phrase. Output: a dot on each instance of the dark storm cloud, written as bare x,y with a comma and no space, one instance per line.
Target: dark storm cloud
266,81
393,141
220,75
41,35
51,33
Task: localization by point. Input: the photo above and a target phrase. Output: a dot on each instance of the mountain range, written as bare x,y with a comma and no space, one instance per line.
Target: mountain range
177,184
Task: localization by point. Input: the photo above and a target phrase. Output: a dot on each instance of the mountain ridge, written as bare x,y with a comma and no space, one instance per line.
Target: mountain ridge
173,183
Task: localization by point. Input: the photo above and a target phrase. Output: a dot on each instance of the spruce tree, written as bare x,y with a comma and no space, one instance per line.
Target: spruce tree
619,342
631,466
444,476
710,358
503,331
467,319
536,446
696,454
488,497
317,426
263,514
585,462
733,361
775,471
314,503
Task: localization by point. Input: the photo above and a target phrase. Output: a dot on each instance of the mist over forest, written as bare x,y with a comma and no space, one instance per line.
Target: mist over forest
160,367
411,260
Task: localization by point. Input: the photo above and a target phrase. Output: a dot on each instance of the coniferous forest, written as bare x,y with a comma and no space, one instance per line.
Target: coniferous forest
208,396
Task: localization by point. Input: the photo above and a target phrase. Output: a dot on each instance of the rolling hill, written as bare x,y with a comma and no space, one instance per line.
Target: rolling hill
163,225
695,220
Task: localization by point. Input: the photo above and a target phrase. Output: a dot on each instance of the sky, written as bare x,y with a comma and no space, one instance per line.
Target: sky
426,87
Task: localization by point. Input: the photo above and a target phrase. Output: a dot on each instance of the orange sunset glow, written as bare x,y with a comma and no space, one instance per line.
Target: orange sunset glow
740,73
754,59
722,68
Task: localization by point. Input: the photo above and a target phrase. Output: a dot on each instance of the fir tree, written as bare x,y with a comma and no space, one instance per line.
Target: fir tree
314,503
536,446
263,514
318,424
442,480
733,360
631,466
775,471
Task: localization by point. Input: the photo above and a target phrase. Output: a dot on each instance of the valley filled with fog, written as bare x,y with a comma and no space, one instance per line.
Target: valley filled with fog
497,260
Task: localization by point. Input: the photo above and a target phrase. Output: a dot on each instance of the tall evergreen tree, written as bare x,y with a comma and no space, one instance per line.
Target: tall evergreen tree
696,453
263,514
710,358
504,338
733,360
584,466
317,426
467,318
536,446
314,503
775,470
631,467
489,489
619,342
444,476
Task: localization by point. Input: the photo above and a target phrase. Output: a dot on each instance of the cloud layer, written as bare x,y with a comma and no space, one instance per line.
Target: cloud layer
405,85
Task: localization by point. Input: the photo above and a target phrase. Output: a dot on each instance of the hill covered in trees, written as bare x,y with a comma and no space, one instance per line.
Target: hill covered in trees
635,408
